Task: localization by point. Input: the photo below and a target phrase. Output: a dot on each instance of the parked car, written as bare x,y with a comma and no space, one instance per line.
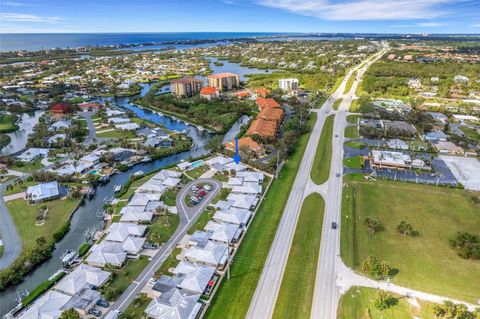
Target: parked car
95,312
103,303
150,245
202,193
207,187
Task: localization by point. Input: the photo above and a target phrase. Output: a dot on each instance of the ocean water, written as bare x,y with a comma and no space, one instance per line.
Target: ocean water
38,41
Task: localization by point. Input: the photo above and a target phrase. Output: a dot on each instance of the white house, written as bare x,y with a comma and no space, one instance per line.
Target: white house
42,192
32,154
107,253
83,277
193,277
211,254
49,306
174,304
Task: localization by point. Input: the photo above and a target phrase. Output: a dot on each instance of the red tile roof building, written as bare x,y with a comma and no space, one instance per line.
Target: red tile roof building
209,92
263,128
224,81
263,92
263,103
245,142
60,109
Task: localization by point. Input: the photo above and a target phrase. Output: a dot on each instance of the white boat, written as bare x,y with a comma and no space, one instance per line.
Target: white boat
117,188
68,257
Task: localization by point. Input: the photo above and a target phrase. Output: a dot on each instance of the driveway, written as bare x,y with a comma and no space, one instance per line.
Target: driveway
188,216
8,232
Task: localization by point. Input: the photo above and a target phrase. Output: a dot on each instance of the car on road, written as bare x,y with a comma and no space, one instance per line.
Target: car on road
334,225
150,245
103,303
95,312
338,174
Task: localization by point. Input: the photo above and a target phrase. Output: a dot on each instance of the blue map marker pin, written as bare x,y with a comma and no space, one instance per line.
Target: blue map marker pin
236,157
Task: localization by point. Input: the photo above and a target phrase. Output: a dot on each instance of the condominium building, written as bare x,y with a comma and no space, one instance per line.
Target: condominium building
288,85
224,81
186,87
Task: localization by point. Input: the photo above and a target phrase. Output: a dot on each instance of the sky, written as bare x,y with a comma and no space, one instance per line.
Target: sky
353,16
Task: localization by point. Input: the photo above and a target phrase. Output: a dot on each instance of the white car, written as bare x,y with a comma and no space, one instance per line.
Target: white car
207,187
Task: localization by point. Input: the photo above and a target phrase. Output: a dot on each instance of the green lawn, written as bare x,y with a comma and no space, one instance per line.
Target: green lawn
19,186
202,220
353,119
350,81
298,281
321,164
7,124
222,195
122,278
337,104
220,177
426,262
163,228
169,198
24,216
233,297
170,262
354,144
136,308
197,172
355,162
471,133
27,167
359,302
351,131
1,250
115,133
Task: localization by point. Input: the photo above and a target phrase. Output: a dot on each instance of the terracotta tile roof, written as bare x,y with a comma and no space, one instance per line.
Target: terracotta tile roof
271,114
60,108
263,103
242,94
221,75
262,127
262,92
244,142
89,105
208,90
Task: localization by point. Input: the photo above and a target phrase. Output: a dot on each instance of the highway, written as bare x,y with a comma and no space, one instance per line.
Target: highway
326,294
187,218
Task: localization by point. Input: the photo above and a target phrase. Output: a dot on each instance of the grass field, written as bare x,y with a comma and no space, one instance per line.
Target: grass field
159,232
197,172
170,197
353,119
471,133
351,131
321,164
337,103
233,297
350,81
19,187
24,216
7,124
359,302
298,281
355,162
28,167
426,262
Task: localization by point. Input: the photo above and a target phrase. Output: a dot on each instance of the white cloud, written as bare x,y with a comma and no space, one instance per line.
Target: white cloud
363,9
475,25
13,4
22,17
420,24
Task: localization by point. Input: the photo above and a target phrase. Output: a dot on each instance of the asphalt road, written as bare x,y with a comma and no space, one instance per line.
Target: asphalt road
188,216
264,299
327,294
91,127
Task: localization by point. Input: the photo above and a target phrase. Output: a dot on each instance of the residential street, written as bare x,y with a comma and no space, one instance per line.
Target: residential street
91,128
188,216
264,299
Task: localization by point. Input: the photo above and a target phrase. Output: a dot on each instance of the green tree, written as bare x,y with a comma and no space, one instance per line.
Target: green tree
69,314
373,225
405,228
384,300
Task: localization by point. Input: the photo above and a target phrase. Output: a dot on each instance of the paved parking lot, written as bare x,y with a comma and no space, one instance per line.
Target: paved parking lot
465,169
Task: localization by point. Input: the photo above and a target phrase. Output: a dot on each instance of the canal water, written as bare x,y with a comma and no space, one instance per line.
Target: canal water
85,217
19,138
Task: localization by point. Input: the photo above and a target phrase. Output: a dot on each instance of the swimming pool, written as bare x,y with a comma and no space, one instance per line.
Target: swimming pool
197,164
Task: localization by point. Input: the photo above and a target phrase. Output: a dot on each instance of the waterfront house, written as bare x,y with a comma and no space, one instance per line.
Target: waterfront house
50,305
59,125
32,154
59,110
42,192
135,214
83,277
107,253
120,231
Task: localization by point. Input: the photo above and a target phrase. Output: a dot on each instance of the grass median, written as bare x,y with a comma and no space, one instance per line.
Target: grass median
321,164
337,103
298,281
350,81
425,262
234,296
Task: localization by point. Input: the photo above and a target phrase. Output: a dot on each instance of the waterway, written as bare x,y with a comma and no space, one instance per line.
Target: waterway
85,217
19,138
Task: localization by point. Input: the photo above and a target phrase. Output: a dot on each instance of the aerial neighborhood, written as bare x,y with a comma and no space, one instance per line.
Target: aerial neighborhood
247,177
